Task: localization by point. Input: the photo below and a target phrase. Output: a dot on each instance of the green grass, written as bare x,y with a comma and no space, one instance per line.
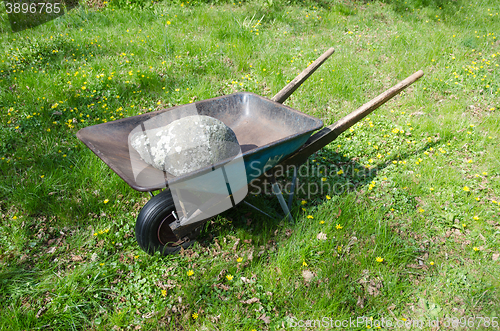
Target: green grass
423,171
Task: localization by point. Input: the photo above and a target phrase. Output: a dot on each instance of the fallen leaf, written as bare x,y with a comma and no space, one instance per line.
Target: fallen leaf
51,250
222,287
494,223
374,286
250,301
308,275
321,236
149,315
361,302
236,244
76,258
40,312
221,274
246,280
265,318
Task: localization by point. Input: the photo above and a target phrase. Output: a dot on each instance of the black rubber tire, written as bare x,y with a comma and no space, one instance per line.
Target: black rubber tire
155,216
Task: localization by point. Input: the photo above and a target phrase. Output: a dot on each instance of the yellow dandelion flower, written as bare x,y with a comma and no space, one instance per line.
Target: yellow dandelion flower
310,217
328,197
379,259
321,222
431,263
229,277
239,259
475,249
106,201
190,273
303,202
476,218
466,189
194,316
164,293
338,227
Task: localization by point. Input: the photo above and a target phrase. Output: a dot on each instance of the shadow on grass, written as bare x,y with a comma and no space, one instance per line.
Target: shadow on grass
263,226
447,7
443,11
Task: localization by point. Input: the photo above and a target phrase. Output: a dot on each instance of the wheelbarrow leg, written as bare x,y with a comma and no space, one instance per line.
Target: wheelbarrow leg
292,190
259,210
279,195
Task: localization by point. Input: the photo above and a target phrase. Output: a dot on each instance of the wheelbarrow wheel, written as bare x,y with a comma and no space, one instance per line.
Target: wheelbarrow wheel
152,229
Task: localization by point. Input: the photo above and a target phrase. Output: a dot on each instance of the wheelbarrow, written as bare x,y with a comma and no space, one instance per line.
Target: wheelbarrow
271,136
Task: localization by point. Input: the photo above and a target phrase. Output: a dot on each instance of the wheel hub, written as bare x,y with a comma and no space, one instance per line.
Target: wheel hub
165,234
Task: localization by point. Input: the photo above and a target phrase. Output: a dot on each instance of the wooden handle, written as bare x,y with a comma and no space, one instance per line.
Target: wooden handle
297,81
329,133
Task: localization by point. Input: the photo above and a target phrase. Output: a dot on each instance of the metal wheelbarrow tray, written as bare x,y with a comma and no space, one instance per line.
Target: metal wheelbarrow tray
268,132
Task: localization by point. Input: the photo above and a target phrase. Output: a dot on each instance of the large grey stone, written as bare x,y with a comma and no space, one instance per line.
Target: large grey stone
187,144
